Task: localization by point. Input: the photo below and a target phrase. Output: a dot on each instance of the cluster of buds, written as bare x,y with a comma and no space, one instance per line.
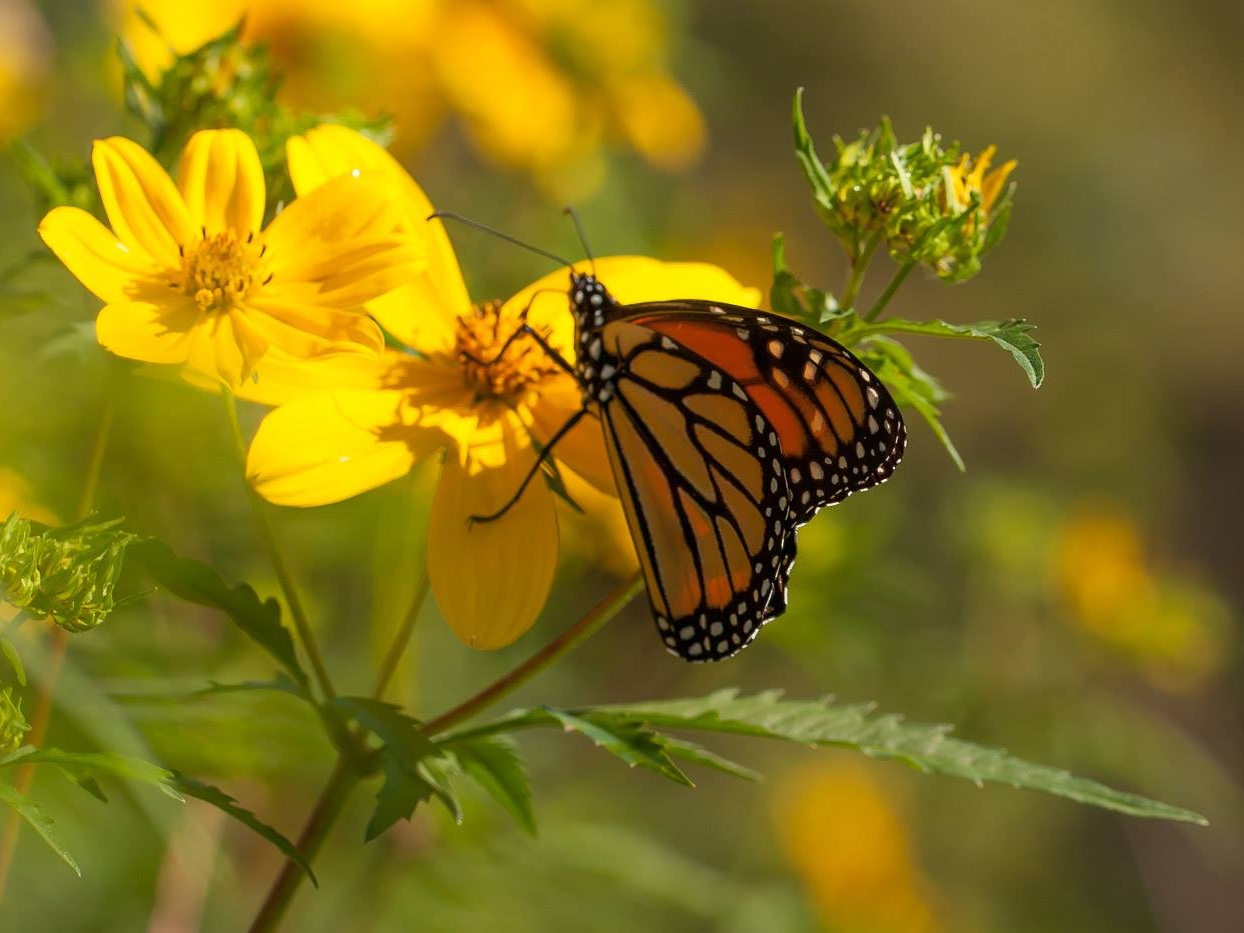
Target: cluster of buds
930,204
66,574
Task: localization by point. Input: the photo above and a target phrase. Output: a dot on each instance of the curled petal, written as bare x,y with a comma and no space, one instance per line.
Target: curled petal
227,346
221,180
142,204
152,333
345,231
93,254
331,446
491,579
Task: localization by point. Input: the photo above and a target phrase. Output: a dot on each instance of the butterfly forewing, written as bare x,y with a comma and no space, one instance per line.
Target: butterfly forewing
704,491
838,427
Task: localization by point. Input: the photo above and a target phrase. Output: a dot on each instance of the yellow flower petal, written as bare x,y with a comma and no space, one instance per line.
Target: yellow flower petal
426,308
583,449
662,121
343,233
304,329
330,446
630,279
142,204
491,579
93,254
221,180
995,182
281,377
151,333
227,346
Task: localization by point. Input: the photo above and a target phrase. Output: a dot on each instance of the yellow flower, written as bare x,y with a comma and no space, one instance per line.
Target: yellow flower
967,179
191,277
451,391
1172,629
25,60
845,839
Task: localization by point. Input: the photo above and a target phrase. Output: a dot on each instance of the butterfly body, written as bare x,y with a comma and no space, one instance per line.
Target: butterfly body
727,428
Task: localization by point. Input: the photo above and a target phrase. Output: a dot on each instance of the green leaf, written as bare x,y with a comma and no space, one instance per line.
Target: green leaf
79,765
790,296
226,804
33,814
197,583
702,756
399,795
910,385
15,662
400,734
629,741
1013,336
813,168
929,748
278,684
494,764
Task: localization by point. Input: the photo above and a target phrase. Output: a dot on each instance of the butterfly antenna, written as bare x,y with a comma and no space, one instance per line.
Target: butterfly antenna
578,226
450,215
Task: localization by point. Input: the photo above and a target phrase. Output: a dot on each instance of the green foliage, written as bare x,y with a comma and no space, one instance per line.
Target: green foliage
33,814
196,582
629,731
1012,336
493,762
66,574
226,804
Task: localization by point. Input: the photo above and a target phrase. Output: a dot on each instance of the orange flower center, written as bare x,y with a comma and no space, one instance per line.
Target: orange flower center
495,363
218,272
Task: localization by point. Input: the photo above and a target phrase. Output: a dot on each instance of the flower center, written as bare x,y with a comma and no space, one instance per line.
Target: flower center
218,272
482,336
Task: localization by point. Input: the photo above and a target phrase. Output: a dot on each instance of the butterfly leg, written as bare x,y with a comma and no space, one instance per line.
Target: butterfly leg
525,330
535,468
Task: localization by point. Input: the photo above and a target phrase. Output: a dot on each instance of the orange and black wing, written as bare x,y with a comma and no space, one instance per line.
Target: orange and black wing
705,492
837,426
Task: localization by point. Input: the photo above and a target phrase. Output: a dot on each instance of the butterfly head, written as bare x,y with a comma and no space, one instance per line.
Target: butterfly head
589,300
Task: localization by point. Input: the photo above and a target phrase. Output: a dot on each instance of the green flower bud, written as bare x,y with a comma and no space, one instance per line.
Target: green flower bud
13,725
67,574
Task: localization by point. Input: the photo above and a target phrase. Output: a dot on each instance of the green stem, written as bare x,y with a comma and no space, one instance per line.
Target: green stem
884,298
271,546
605,610
42,712
388,665
859,265
332,799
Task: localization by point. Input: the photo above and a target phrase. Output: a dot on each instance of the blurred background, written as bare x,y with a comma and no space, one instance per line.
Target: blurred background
1074,596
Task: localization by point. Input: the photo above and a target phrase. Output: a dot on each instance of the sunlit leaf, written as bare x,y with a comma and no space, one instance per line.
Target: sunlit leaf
78,765
1013,336
628,740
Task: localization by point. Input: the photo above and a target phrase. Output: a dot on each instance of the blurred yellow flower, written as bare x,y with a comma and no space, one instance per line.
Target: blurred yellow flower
25,59
452,391
968,179
191,277
843,836
542,87
1171,629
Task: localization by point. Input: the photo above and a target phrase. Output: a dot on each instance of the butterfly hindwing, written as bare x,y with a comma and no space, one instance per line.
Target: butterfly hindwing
704,491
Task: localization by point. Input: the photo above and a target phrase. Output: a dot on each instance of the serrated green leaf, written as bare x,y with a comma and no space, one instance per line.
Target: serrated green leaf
929,748
402,791
628,741
702,756
494,764
198,583
228,805
15,662
813,168
789,295
910,385
1013,336
81,764
399,732
33,814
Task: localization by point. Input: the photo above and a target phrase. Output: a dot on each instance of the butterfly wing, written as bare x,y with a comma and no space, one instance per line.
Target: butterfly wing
704,490
838,428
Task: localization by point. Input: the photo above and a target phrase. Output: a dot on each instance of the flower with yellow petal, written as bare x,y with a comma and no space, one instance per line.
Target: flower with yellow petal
968,179
453,389
190,276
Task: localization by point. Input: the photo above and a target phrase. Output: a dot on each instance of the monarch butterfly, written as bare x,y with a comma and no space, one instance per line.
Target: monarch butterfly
727,428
